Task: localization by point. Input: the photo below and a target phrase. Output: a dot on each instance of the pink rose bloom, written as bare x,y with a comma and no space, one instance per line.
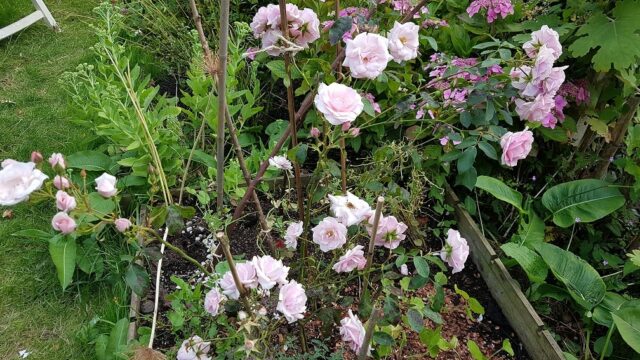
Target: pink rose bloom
309,31
280,162
354,132
404,269
122,224
212,301
352,259
270,42
552,83
269,271
546,37
455,251
374,104
329,234
549,121
292,301
404,41
543,64
560,103
314,132
18,180
349,209
390,231
57,159
515,146
338,103
535,110
248,278
352,332
520,77
367,55
262,18
63,223
65,202
445,140
106,185
251,53
194,348
294,230
36,157
61,182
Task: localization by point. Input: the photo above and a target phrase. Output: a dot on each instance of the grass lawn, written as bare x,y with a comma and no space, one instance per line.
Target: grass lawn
34,115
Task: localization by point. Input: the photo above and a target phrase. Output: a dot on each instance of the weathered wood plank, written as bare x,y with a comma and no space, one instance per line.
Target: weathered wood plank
21,24
505,290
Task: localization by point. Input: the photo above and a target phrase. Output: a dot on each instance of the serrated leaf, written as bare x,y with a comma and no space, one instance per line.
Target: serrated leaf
616,38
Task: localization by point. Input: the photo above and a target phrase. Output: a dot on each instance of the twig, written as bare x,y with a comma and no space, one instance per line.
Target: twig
372,241
222,100
376,314
224,242
291,106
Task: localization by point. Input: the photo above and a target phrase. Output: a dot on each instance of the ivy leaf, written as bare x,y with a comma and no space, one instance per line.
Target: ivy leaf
615,38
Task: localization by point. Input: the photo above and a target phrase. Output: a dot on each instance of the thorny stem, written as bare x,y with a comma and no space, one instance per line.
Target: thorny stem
222,100
374,233
224,243
292,109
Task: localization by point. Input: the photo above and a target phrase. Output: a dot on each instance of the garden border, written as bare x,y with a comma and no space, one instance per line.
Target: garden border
524,320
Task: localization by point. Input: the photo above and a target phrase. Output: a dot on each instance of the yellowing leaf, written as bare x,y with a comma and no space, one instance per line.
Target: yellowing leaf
616,39
600,128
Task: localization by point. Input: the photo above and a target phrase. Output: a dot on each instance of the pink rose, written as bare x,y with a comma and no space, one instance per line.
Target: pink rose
36,157
294,230
515,146
338,103
404,269
314,132
194,348
535,110
543,65
354,132
18,180
552,83
63,223
280,162
57,161
269,271
292,301
61,182
248,278
122,224
329,234
549,121
309,29
349,209
404,41
390,231
546,37
374,104
65,202
106,185
212,301
520,77
455,251
367,55
352,331
352,259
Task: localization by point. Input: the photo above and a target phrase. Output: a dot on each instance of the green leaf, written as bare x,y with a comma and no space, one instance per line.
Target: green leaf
89,160
118,337
528,259
339,28
137,278
63,253
616,38
500,191
277,68
611,303
530,233
506,346
33,234
627,320
422,266
488,150
415,320
101,347
583,282
584,200
100,205
465,162
382,338
467,178
475,351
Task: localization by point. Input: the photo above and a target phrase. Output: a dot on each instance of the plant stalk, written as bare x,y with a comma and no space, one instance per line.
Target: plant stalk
372,240
376,314
222,100
224,243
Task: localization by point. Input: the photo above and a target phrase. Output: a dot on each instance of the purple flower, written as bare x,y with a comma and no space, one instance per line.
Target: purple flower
494,8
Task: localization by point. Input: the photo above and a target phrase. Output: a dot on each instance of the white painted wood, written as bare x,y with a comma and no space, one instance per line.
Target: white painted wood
41,13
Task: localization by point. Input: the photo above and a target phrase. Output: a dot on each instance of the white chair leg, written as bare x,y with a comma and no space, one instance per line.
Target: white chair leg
48,18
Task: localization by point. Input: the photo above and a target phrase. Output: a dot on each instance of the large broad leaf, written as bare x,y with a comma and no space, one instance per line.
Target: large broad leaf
500,190
63,253
582,200
627,320
582,281
616,38
528,259
611,303
118,338
530,233
90,160
137,278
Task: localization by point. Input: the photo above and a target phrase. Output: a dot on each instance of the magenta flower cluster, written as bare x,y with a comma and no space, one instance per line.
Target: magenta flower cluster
494,8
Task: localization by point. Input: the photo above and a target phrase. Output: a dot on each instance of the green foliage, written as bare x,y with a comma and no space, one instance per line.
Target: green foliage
63,253
627,320
500,190
614,38
528,259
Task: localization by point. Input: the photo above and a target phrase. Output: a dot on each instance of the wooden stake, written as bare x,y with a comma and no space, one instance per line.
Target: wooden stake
376,314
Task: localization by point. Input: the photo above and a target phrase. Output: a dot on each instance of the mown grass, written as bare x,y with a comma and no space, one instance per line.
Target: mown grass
35,114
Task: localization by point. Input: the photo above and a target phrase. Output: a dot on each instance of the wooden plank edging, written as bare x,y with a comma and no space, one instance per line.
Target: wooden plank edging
524,320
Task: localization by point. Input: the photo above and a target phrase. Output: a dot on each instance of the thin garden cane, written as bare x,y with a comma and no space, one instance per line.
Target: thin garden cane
224,243
343,146
291,106
211,69
222,100
305,106
376,314
372,241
